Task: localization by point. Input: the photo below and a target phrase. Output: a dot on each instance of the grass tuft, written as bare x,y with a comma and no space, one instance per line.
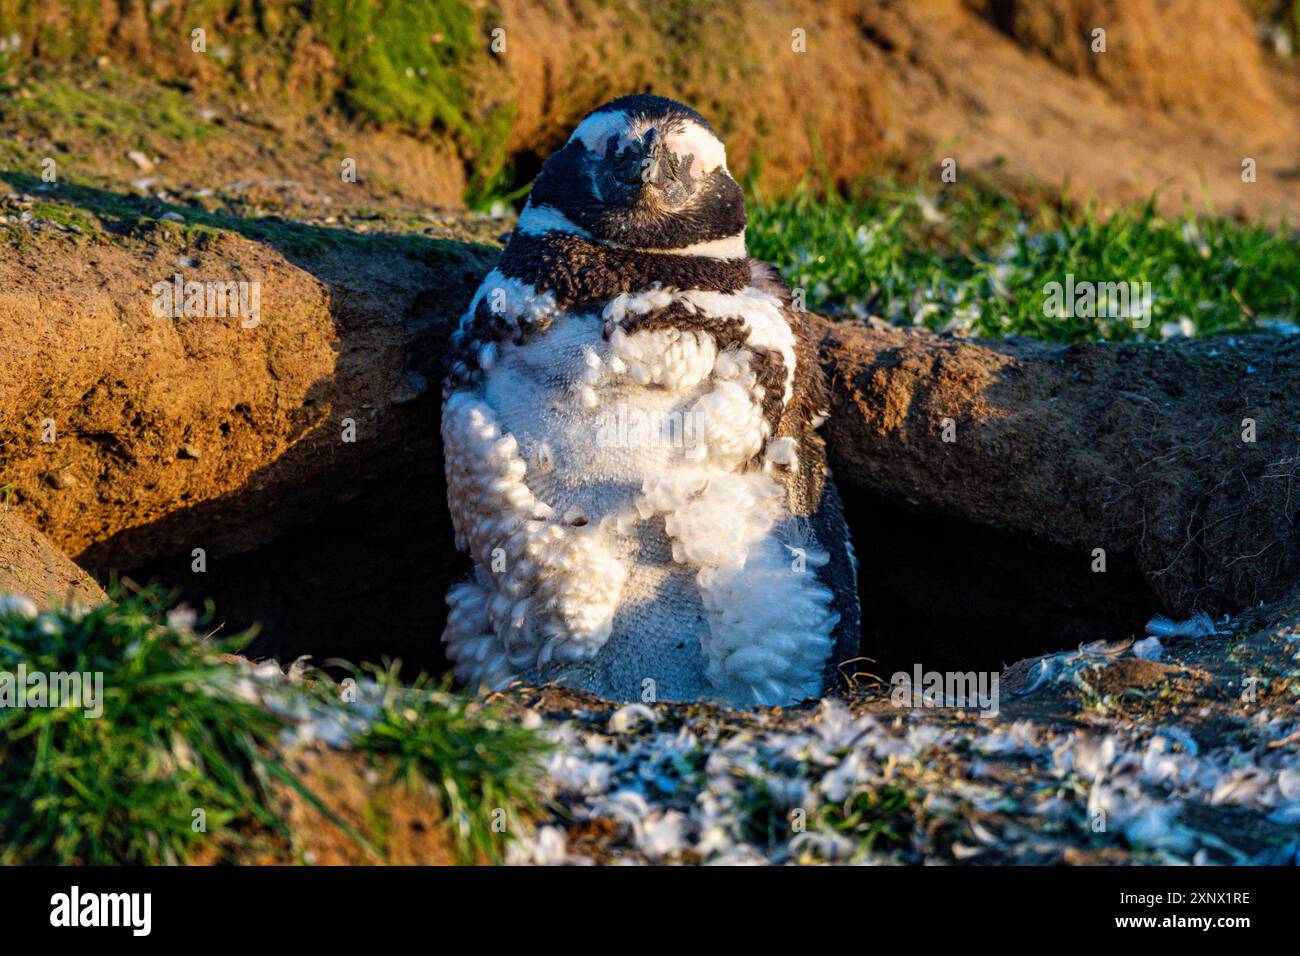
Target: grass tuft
117,778
484,769
877,819
123,787
97,105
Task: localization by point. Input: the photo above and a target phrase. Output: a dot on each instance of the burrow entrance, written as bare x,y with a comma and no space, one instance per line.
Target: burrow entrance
954,596
367,582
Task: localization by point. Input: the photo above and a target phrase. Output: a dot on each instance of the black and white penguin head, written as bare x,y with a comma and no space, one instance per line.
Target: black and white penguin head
642,172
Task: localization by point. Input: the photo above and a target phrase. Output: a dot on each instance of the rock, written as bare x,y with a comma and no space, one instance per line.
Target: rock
142,162
60,480
18,605
411,386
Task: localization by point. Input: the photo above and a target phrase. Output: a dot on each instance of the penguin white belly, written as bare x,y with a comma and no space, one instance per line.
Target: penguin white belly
590,463
638,450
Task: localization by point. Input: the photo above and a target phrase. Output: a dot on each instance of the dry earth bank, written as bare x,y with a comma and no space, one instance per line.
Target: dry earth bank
802,91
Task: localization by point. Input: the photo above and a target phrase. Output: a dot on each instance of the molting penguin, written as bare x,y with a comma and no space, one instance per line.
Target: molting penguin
629,422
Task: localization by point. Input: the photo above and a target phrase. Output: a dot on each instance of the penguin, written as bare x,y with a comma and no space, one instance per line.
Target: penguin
630,430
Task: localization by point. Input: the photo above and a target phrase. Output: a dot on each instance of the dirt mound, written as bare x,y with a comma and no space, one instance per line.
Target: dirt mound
1175,460
1192,58
172,447
960,87
115,415
30,564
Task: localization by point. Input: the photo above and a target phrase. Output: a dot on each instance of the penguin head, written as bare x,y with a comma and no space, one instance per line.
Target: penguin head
644,172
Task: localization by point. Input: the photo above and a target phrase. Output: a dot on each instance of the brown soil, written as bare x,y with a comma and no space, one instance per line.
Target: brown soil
1135,449
390,824
30,564
176,435
1149,114
401,826
1187,58
736,64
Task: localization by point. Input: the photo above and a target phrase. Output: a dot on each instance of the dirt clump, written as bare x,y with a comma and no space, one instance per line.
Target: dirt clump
31,565
402,827
1139,451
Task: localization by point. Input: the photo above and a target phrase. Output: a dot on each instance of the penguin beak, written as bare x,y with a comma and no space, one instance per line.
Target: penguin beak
652,158
649,164
641,162
644,173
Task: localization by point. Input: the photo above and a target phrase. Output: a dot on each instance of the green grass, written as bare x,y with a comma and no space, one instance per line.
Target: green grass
414,64
172,736
98,105
969,260
66,215
482,768
122,787
877,819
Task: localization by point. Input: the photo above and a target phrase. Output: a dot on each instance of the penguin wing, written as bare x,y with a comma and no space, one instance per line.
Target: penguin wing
840,574
810,488
798,417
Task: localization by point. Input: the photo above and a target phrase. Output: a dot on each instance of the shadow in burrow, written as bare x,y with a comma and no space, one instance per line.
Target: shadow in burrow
952,595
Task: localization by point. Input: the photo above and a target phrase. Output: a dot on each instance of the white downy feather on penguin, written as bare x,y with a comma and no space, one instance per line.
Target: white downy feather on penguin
629,427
